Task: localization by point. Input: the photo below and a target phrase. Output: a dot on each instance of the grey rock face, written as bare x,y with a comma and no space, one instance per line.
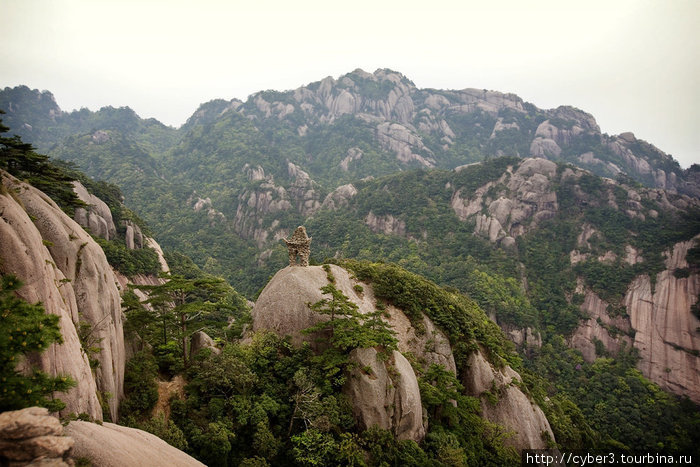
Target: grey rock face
97,217
30,436
512,408
111,445
201,340
62,267
391,403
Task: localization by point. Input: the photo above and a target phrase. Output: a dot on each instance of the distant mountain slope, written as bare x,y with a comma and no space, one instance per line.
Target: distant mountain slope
249,172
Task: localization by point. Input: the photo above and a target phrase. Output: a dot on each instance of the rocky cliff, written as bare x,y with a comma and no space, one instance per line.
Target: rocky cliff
378,398
666,331
62,267
657,320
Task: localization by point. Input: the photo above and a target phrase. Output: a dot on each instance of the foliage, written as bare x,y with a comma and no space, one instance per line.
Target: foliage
617,406
140,387
181,303
127,261
19,159
26,328
465,323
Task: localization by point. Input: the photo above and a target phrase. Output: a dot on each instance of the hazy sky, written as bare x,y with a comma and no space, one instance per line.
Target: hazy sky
633,64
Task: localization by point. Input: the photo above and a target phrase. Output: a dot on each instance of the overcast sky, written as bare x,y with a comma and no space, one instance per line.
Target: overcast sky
633,64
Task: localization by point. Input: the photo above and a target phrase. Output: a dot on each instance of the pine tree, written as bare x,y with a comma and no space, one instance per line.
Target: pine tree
26,328
19,159
179,301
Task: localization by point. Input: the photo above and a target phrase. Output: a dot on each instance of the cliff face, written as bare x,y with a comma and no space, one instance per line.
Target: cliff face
394,402
66,270
504,403
666,330
659,323
23,253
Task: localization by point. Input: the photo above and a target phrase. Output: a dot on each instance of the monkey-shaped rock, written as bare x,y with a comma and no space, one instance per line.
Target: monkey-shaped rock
299,245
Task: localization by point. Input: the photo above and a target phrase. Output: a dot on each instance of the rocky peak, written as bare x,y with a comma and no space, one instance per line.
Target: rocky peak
525,197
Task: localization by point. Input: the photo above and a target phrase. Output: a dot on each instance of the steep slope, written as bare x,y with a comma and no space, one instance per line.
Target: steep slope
63,267
265,164
394,402
583,248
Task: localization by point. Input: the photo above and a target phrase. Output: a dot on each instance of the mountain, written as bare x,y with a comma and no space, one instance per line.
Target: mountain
241,175
582,246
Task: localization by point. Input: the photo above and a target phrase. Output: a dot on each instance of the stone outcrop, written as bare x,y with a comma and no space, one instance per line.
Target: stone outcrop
429,346
282,307
97,217
387,224
666,330
111,445
133,236
340,197
201,340
32,437
504,403
62,267
599,326
378,398
407,146
526,197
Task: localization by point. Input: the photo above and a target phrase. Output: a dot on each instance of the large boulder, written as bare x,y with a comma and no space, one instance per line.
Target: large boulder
111,445
388,394
385,393
32,437
503,402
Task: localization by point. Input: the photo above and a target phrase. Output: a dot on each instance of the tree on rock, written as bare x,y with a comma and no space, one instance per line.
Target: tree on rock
26,328
179,302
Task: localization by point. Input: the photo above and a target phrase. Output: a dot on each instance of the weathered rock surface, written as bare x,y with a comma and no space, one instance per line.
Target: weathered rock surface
387,224
430,346
339,197
201,340
391,403
62,267
282,307
512,408
527,196
82,261
598,327
111,445
666,330
32,437
97,217
133,237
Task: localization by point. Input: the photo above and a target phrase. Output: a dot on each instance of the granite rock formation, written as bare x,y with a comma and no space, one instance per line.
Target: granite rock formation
32,437
378,398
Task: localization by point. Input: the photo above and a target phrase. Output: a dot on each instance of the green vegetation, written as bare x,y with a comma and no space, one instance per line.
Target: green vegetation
20,160
238,411
621,408
26,328
127,261
179,304
464,322
266,402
